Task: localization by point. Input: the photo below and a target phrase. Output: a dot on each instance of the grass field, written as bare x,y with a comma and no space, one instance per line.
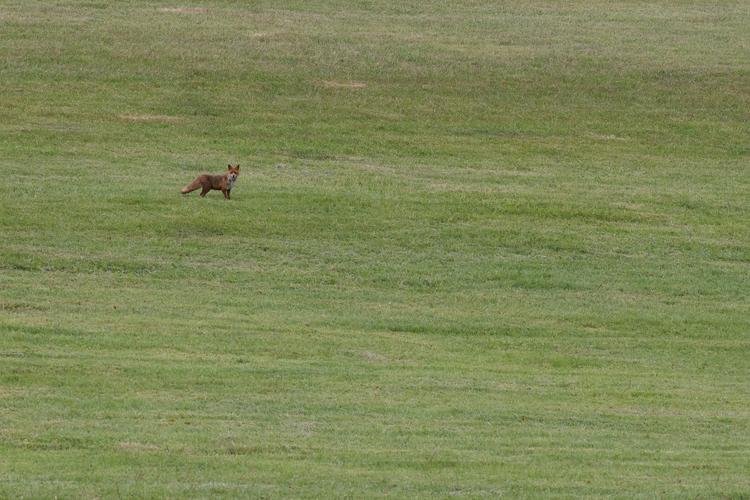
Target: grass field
477,249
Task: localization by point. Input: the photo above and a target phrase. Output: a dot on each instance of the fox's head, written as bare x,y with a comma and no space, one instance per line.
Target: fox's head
233,172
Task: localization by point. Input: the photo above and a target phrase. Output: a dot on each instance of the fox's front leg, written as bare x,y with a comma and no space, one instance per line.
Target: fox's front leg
226,193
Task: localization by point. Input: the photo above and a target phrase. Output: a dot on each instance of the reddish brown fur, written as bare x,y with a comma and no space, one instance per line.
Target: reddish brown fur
219,182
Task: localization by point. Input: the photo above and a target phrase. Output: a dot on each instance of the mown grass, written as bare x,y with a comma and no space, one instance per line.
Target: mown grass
475,250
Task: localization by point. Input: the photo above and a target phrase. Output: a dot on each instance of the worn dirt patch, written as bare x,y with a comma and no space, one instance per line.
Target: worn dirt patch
184,10
335,84
130,117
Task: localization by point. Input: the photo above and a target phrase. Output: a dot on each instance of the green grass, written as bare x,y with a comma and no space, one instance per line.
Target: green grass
515,262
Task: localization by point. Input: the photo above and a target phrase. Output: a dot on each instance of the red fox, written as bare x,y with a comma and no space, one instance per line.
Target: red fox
222,182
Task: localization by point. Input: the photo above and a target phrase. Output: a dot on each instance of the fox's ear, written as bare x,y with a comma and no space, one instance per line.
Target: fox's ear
229,165
238,166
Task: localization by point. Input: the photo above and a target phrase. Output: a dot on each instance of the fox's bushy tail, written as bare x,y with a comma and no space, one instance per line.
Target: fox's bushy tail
191,187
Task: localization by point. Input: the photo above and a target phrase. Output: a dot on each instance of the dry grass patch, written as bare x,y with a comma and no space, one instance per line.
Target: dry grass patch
606,137
131,117
184,10
373,357
334,84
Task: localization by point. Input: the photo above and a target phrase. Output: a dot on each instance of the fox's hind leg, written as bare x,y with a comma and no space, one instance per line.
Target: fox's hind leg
206,189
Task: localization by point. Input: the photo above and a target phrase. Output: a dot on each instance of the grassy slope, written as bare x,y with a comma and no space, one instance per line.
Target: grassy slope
516,262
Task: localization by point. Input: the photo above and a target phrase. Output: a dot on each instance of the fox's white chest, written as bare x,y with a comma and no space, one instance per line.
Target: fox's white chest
230,184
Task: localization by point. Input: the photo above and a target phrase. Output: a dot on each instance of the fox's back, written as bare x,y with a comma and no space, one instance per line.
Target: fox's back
214,181
217,181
